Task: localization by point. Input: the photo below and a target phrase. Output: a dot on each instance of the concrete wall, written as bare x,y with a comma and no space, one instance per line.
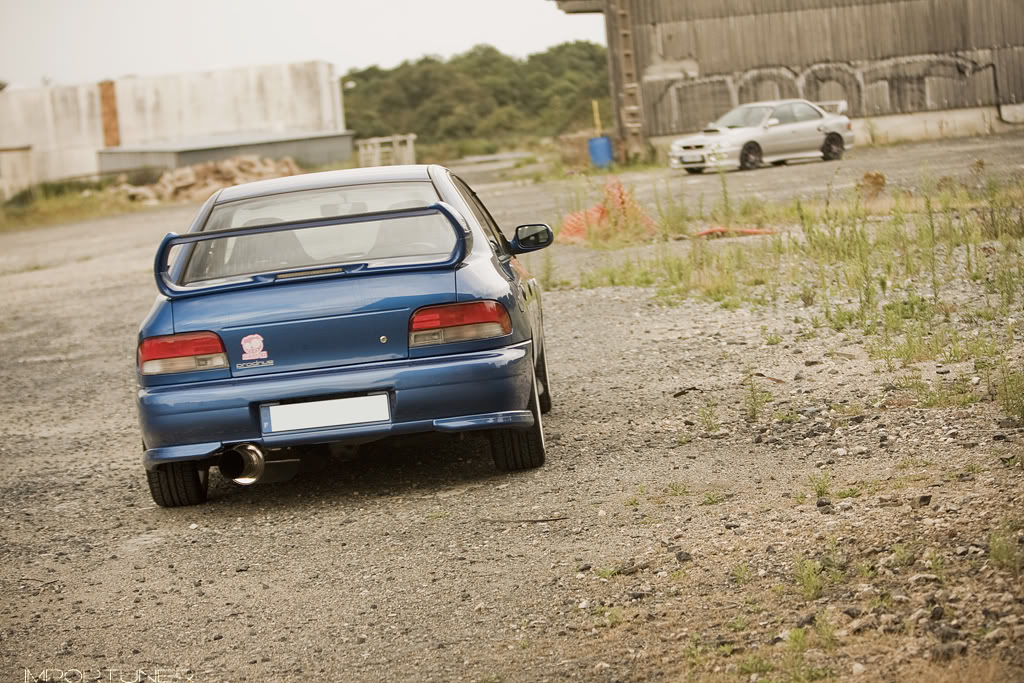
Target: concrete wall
62,124
65,125
15,170
278,98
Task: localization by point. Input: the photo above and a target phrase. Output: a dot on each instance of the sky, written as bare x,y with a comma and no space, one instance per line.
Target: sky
78,41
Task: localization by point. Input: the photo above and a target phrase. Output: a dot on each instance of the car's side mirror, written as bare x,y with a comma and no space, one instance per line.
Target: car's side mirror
532,237
772,122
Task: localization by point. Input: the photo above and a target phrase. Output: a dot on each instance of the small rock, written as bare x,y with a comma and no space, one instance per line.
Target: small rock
822,502
858,669
584,604
924,578
921,501
860,450
683,556
193,526
838,452
995,635
937,612
807,619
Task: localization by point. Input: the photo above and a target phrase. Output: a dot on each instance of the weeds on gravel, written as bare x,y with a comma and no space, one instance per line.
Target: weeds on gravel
677,489
707,416
822,484
807,574
896,272
825,630
902,556
1011,392
755,400
742,574
738,624
673,216
1005,551
755,664
713,498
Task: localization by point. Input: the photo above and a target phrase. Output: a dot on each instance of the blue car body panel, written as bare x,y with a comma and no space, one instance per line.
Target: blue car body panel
339,336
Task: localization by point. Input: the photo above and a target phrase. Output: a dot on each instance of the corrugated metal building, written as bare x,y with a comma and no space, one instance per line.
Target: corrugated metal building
676,64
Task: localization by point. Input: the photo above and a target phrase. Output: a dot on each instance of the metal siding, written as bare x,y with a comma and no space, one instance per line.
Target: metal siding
899,55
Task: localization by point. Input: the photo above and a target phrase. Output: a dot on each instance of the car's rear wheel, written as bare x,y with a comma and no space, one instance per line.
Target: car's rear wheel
544,392
833,148
695,171
178,483
750,156
520,449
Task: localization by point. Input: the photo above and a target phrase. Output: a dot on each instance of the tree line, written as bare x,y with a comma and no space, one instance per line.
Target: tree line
481,93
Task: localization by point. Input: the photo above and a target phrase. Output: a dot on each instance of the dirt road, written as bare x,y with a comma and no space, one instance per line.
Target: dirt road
681,533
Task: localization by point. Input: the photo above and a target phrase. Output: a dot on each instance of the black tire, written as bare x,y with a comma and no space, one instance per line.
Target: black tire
833,148
695,171
178,483
750,156
520,449
544,392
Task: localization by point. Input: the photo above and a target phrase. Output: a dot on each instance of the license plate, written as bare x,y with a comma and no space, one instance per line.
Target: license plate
692,158
337,412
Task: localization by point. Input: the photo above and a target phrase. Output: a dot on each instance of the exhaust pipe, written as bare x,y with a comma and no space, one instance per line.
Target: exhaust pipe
243,464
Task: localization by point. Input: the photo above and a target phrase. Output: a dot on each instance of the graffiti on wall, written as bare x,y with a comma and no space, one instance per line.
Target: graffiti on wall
892,86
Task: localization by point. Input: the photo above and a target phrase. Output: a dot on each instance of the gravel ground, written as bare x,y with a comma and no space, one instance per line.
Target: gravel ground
675,548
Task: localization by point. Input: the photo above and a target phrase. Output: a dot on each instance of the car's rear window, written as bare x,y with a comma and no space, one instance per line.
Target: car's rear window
420,239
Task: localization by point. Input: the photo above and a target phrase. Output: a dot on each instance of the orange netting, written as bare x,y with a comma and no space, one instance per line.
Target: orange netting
617,214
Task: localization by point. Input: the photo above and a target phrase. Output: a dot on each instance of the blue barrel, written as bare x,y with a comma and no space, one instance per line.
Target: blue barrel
601,154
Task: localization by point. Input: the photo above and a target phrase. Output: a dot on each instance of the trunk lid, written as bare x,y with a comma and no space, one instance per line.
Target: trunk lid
311,324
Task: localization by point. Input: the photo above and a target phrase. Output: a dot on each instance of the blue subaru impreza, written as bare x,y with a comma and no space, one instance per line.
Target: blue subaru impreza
338,308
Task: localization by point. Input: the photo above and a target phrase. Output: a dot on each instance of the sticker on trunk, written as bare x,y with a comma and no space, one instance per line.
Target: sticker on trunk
252,347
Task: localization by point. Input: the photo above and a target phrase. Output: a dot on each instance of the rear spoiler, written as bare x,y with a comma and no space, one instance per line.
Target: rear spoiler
165,280
835,106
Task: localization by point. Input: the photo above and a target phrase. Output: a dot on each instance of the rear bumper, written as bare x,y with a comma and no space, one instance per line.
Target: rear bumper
462,392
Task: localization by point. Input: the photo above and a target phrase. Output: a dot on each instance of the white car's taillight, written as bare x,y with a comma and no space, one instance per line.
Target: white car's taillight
458,322
185,352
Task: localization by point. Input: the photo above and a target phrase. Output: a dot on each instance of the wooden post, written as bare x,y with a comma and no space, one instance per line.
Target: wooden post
632,102
597,117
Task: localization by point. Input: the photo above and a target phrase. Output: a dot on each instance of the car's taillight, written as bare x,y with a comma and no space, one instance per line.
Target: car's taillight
181,353
458,322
